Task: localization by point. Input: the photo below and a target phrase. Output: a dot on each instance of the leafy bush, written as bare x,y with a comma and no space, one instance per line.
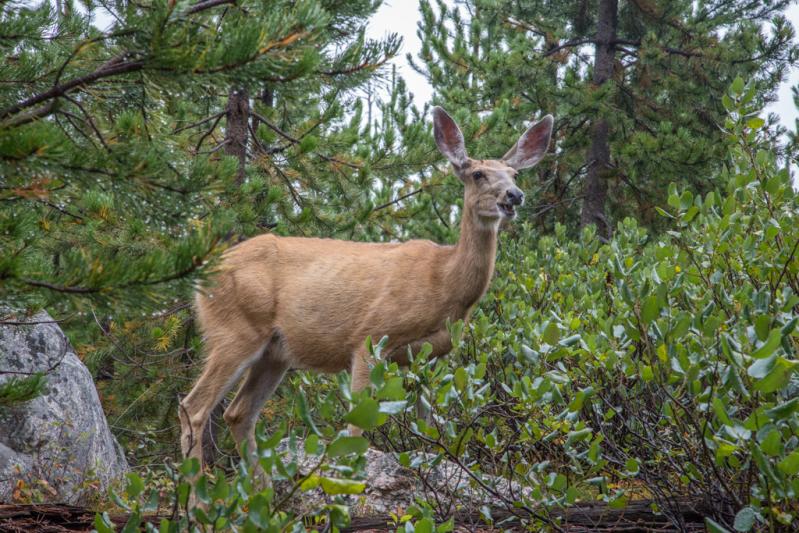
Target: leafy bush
653,366
244,501
648,367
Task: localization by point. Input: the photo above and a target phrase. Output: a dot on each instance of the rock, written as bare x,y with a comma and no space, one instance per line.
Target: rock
58,445
392,488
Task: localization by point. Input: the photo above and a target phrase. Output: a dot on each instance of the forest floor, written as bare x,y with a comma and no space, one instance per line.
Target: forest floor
636,517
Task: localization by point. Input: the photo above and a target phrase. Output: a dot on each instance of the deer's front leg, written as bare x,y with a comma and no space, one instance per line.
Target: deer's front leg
361,367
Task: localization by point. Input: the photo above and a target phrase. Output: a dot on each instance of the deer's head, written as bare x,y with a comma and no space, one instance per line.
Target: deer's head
491,193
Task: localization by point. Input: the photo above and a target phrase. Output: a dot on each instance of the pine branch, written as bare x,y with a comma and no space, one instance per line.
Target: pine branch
568,44
295,140
208,4
90,290
200,123
398,199
104,71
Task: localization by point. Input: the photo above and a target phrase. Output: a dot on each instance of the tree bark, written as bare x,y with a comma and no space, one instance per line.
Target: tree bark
599,168
236,132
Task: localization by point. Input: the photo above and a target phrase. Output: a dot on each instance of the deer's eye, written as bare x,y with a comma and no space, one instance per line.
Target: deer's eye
478,175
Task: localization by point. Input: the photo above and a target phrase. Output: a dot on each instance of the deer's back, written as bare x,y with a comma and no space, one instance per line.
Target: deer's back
322,297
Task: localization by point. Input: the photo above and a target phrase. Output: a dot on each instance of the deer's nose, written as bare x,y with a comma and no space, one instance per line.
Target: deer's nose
515,196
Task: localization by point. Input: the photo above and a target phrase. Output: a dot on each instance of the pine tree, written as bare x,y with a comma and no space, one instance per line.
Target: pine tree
635,86
130,158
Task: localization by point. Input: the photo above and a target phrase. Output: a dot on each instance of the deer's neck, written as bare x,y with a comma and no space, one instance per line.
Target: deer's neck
471,264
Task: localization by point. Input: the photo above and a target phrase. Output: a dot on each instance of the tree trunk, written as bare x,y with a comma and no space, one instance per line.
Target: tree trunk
236,132
596,186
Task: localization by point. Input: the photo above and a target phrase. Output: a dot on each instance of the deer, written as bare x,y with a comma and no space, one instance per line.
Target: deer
279,303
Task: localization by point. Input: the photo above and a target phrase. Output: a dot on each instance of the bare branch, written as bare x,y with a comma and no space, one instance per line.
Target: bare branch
208,4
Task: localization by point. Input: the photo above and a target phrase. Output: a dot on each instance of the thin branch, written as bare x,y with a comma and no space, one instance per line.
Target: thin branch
60,90
200,123
295,140
397,200
30,116
568,44
208,4
210,131
90,121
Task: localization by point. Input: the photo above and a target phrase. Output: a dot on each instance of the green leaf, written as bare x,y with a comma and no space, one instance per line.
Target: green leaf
762,323
556,481
760,368
650,310
577,436
745,519
772,443
790,465
392,408
727,102
425,525
344,445
460,378
551,334
392,390
133,523
755,123
769,346
190,467
310,483
788,328
102,523
737,86
686,199
335,486
571,340
365,415
778,377
135,485
783,410
311,444
631,466
619,501
721,412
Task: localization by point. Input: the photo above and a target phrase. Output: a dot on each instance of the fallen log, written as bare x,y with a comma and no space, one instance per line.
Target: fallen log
636,517
53,518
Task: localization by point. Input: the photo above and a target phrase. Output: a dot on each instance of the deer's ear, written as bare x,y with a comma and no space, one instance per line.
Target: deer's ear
531,146
449,138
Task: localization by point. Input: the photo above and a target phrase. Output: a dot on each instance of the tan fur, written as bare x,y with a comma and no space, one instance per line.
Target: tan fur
283,302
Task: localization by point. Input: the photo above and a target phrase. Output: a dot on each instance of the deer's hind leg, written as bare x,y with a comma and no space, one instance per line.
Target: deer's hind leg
227,360
260,383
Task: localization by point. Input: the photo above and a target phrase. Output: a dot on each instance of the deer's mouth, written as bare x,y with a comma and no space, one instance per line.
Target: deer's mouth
507,210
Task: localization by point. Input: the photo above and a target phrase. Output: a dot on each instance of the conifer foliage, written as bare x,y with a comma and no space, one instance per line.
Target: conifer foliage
115,184
132,156
635,86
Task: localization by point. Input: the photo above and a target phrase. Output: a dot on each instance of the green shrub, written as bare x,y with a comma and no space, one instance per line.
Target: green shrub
653,366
